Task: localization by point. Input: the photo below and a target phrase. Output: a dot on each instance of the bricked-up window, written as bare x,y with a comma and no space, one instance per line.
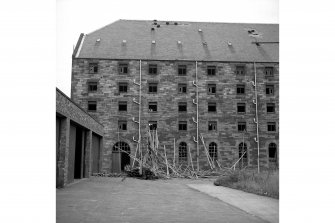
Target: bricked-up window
213,151
182,125
269,89
271,126
240,107
153,69
123,87
182,106
272,152
153,87
212,126
122,106
240,70
152,106
153,125
122,125
211,88
268,71
182,88
182,152
241,126
182,70
211,107
92,106
92,86
211,70
93,68
123,68
240,89
270,108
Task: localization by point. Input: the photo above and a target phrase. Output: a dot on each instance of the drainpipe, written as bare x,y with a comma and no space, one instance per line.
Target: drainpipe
139,118
256,119
197,95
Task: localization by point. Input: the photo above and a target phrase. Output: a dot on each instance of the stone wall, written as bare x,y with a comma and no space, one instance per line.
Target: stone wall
227,136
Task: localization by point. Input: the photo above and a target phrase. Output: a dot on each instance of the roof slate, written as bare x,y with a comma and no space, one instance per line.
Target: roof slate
211,44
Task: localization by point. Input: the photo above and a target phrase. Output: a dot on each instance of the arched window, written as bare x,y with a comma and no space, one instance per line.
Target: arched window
182,152
242,151
272,152
213,151
121,146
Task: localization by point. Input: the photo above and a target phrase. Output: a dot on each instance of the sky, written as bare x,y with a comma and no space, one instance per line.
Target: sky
78,16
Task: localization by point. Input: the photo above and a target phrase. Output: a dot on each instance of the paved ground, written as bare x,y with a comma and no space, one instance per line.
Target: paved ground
104,199
264,207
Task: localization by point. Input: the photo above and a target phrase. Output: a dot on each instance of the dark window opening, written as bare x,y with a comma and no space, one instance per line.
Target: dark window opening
268,71
211,88
240,70
213,151
182,70
122,106
93,68
153,125
270,89
242,151
153,87
182,152
241,126
271,126
123,125
212,126
123,87
241,108
152,69
152,106
182,107
211,107
211,70
272,152
92,86
182,125
123,68
92,106
270,108
240,89
182,88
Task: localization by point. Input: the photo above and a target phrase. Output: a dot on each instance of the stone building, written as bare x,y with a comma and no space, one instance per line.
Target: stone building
198,83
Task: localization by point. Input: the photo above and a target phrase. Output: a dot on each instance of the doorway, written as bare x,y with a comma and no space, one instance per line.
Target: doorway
120,157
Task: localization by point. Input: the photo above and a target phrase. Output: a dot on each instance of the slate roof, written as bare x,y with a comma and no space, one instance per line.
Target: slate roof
210,44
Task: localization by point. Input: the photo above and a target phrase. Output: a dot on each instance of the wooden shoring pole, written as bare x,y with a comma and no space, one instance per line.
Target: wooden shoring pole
189,151
166,162
207,154
174,152
135,156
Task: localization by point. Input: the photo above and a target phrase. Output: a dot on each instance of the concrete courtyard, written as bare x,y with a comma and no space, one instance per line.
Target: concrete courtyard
103,199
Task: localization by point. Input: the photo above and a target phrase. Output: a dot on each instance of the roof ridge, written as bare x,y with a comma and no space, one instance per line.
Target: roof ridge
140,20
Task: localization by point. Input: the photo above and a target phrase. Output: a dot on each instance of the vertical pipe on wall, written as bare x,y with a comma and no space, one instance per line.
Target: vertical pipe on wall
256,117
139,118
196,79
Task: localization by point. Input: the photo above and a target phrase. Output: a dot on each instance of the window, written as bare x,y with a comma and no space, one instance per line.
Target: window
211,88
93,68
122,106
269,89
92,106
152,106
182,106
153,125
211,70
240,89
268,71
123,68
272,152
241,126
123,87
92,86
153,87
213,151
122,125
152,69
270,108
212,126
182,152
182,88
120,147
182,70
271,126
182,125
211,107
242,151
240,107
240,70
